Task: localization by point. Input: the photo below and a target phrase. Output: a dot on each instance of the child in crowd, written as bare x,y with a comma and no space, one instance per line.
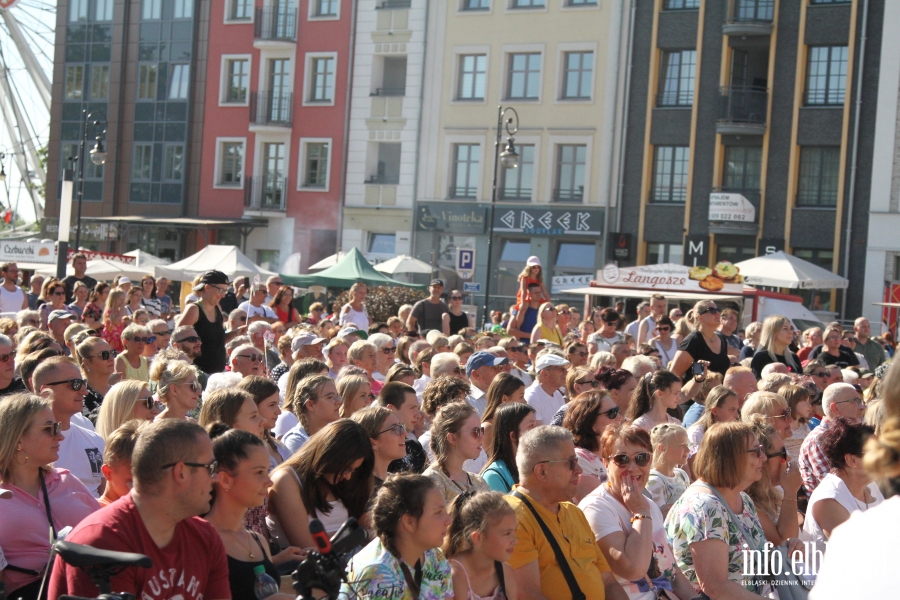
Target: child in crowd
670,450
533,273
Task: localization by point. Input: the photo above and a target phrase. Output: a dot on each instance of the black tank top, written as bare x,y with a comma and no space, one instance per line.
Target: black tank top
212,336
241,577
458,322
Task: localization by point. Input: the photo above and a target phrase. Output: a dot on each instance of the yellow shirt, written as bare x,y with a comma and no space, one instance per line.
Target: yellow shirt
551,335
575,538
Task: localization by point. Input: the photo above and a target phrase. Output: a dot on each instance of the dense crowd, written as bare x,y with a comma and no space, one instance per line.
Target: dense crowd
546,456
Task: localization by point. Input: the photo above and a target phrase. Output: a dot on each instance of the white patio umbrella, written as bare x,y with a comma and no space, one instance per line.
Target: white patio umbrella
788,271
403,264
327,262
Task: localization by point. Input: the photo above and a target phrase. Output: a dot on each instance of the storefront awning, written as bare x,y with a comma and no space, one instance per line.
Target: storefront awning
618,292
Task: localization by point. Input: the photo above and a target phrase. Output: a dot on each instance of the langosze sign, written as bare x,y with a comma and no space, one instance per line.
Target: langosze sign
723,278
36,252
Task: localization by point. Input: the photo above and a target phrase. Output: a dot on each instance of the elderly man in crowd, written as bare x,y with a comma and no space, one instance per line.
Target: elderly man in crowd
481,369
865,345
548,475
247,360
838,400
256,308
57,322
446,363
306,345
544,394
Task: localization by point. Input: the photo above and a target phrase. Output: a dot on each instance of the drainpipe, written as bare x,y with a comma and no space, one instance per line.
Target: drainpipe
350,61
415,196
852,195
621,191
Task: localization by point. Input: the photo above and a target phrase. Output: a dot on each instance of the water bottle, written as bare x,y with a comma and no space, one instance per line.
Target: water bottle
265,586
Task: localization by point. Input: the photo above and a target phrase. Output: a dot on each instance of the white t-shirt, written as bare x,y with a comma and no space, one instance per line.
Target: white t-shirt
11,302
544,404
833,487
525,377
358,318
695,436
477,400
632,329
420,384
425,440
257,311
82,421
861,561
606,516
81,452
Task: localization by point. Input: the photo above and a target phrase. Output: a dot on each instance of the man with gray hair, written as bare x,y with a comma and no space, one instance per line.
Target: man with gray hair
446,363
9,383
548,475
256,331
174,468
838,400
247,360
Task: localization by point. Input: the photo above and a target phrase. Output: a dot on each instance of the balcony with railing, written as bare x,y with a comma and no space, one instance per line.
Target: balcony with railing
265,193
514,195
276,24
731,215
742,110
569,194
462,192
749,17
271,109
398,91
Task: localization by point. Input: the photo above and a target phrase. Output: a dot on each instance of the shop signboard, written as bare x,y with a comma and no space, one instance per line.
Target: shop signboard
561,283
548,221
451,218
731,207
22,251
724,278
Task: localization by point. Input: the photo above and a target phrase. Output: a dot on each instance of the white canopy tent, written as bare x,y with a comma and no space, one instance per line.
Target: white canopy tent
787,271
145,259
103,270
328,261
403,264
227,259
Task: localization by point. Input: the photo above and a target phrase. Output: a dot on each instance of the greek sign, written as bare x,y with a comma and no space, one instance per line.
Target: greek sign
562,283
548,221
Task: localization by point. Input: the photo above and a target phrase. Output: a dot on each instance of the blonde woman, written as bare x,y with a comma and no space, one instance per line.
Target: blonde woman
97,361
774,341
125,401
546,328
771,406
131,363
177,387
799,400
706,342
114,320
356,394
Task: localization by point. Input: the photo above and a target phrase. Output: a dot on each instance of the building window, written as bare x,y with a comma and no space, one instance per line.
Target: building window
581,2
151,10
826,75
237,73
527,4
322,85
677,78
268,259
99,82
830,2
183,9
147,82
241,10
231,169
476,5
316,165
515,184
466,160
819,172
735,254
743,168
142,163
524,76
69,157
578,73
670,174
387,164
575,256
382,243
681,4
472,76
103,10
78,11
174,165
74,82
326,8
660,254
181,81
570,164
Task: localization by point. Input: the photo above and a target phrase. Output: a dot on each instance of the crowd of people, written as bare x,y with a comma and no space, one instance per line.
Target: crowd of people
543,457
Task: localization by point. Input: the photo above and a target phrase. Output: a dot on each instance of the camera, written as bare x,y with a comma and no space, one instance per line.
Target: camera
325,569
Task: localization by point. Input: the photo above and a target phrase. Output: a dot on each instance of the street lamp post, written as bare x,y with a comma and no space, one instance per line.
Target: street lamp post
97,122
508,159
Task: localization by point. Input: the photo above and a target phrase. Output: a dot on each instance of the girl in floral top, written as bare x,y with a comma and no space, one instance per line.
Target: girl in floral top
114,320
670,450
706,541
405,561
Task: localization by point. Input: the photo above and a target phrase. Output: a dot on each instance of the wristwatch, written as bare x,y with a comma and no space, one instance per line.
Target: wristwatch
638,517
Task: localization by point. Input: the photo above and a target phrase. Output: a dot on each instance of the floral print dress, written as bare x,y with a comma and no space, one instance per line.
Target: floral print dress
375,573
698,516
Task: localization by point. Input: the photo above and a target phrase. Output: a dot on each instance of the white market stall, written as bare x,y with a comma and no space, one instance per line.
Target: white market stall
103,269
783,270
227,259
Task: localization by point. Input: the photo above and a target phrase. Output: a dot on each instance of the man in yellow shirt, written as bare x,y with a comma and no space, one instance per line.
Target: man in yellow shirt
548,472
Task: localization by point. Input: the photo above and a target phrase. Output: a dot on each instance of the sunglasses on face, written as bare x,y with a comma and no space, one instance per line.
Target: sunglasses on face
6,357
251,357
513,349
59,293
144,340
819,374
759,451
76,384
399,430
210,467
104,354
782,453
785,414
150,403
591,382
190,340
641,459
664,329
477,432
195,386
611,413
387,350
165,333
456,297
709,309
572,462
52,429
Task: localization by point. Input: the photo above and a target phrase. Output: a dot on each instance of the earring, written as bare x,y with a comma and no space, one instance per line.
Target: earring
26,458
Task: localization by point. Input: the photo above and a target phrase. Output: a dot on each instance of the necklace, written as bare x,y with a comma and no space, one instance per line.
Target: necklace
250,545
708,339
865,505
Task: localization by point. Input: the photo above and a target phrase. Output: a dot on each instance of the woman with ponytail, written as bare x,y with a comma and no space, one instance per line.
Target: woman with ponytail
656,393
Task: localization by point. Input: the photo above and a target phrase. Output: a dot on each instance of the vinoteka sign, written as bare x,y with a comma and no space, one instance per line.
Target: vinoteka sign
668,277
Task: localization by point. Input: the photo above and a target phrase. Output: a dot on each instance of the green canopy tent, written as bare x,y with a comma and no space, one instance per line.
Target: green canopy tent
352,267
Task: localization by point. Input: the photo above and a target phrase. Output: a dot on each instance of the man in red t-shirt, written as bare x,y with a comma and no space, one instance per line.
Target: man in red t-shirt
173,468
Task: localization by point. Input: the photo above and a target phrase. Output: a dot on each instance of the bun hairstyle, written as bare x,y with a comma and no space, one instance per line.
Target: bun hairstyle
642,398
473,512
399,495
170,372
612,378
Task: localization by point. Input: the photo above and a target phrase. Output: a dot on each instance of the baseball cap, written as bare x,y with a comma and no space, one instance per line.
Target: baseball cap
124,280
550,360
211,277
533,261
304,339
483,359
353,331
439,282
59,314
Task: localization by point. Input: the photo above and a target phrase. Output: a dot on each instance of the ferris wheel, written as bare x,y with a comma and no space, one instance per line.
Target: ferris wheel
26,63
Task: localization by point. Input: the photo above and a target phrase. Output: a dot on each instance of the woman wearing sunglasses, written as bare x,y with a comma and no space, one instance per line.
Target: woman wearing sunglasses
125,401
628,527
706,342
455,320
707,541
29,444
772,407
54,296
775,494
546,328
456,436
131,364
588,416
388,436
663,341
97,360
176,386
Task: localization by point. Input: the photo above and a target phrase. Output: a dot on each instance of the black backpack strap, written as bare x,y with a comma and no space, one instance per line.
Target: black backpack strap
577,594
498,566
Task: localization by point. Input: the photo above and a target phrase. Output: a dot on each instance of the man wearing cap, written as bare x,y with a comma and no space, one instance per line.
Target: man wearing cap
525,318
208,322
481,369
256,308
351,333
306,345
79,265
57,321
428,314
384,354
544,394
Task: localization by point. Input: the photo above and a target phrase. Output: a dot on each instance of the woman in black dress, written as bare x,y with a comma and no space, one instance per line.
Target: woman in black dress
456,319
832,350
704,343
774,346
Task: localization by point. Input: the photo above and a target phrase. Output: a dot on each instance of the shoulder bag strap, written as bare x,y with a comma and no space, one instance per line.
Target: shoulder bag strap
47,507
747,537
577,594
498,566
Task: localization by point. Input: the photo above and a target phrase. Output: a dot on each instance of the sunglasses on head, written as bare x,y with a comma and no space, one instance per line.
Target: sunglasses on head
641,459
76,384
104,354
